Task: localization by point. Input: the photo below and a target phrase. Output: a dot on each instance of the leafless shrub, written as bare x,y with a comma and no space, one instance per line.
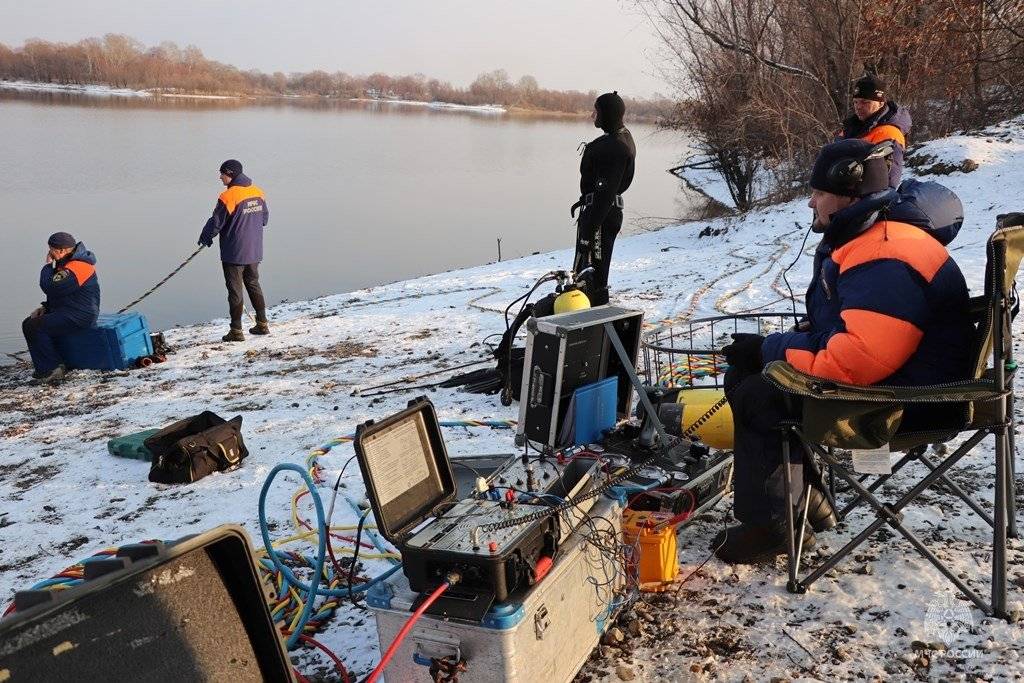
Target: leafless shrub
763,84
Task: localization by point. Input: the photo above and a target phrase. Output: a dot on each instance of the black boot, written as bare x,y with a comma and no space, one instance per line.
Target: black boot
235,334
821,516
55,376
752,543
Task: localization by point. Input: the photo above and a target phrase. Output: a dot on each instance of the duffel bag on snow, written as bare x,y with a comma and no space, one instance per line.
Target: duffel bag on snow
190,449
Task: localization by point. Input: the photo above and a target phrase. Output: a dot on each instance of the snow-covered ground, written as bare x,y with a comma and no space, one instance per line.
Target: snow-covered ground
479,108
88,89
64,497
108,91
101,90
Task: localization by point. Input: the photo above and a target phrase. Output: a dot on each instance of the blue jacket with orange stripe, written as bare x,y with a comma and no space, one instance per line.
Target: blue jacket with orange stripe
239,217
72,287
891,122
886,305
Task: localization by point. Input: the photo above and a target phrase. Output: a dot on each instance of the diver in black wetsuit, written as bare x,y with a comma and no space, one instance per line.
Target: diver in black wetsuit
606,171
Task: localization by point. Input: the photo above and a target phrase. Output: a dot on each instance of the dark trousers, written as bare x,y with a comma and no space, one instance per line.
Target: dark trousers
248,275
594,248
40,334
758,478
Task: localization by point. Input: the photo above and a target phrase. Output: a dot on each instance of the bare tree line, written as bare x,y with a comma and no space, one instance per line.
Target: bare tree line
762,84
121,61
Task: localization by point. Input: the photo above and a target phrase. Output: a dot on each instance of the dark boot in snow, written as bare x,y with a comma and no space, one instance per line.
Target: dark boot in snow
752,543
55,376
821,516
262,327
234,335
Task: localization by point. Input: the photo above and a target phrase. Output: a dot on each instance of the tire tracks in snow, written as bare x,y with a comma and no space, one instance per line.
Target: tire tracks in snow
782,246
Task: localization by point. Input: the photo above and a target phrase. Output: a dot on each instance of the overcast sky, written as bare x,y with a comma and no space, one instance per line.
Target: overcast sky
565,44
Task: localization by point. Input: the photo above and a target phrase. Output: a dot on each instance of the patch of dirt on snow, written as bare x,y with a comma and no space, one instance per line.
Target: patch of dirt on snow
15,430
349,349
20,562
7,468
652,624
132,515
72,544
342,349
36,475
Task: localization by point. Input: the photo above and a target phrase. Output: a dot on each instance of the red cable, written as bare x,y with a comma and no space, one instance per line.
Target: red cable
375,674
299,677
362,544
337,660
683,516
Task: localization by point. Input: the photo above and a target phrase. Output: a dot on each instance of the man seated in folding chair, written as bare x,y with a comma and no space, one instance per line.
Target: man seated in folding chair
886,305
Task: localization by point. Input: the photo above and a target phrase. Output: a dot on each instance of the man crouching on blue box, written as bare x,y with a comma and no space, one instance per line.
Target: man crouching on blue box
72,303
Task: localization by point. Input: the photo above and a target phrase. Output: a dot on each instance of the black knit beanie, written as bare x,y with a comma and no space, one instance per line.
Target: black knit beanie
610,111
231,167
869,87
844,154
61,240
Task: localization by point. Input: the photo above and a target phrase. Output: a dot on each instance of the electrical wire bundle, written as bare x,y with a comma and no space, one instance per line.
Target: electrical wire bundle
69,577
569,503
287,608
295,599
294,607
618,585
686,372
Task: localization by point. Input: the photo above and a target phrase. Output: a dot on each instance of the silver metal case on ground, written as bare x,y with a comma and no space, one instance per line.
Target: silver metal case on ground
545,635
567,351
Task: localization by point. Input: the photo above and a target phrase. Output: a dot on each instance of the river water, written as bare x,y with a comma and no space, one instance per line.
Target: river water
359,194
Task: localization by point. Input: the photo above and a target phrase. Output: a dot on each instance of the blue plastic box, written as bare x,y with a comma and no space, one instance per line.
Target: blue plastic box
116,343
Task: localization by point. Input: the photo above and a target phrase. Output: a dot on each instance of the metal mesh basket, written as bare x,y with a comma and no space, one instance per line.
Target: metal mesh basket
688,354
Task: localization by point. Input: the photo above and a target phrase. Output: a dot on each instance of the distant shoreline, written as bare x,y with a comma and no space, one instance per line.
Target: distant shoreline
78,89
103,90
482,108
99,90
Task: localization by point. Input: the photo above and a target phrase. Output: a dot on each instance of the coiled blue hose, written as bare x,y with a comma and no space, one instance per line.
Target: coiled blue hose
311,590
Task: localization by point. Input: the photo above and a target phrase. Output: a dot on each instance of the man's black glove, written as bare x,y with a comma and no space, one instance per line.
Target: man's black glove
744,353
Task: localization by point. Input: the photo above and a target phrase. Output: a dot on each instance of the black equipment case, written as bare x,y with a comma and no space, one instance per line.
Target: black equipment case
409,480
185,611
565,352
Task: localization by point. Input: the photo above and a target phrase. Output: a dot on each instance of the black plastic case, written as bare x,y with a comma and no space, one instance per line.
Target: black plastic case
488,573
565,352
191,610
398,515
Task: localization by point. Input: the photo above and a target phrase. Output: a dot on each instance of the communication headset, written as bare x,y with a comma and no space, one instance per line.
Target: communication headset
848,172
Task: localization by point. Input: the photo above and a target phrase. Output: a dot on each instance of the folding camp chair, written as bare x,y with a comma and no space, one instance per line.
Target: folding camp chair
842,416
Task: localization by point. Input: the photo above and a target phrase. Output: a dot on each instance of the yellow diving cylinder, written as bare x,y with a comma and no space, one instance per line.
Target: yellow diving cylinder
716,429
571,300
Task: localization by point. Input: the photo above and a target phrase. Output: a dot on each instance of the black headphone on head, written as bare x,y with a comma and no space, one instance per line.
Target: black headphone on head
847,173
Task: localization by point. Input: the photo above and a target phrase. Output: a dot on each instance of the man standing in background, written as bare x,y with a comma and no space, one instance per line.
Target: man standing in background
876,119
239,217
606,171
